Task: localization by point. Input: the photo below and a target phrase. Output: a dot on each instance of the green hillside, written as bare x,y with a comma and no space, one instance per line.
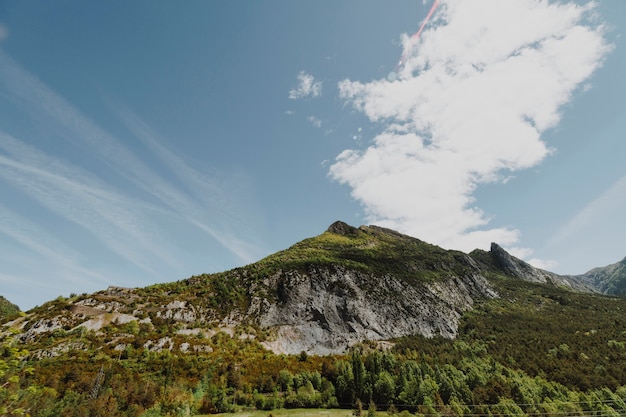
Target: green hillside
7,308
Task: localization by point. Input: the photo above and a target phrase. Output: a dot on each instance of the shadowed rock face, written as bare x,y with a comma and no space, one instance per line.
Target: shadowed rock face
517,268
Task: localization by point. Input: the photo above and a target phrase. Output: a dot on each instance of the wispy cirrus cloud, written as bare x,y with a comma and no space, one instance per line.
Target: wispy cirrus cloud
205,196
35,96
76,195
141,203
609,204
45,248
307,87
468,107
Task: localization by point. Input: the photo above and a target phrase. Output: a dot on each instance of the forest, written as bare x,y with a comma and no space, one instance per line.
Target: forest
536,350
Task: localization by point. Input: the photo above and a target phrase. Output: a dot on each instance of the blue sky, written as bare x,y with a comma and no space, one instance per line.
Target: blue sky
147,141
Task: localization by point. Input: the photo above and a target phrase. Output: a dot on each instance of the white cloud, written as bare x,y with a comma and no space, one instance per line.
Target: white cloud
468,107
315,121
307,86
544,264
79,197
526,253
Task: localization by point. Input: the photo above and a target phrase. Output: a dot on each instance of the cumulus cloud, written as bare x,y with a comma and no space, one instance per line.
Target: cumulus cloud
468,106
307,87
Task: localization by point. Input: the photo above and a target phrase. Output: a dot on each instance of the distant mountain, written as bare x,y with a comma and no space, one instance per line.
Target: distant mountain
7,308
609,279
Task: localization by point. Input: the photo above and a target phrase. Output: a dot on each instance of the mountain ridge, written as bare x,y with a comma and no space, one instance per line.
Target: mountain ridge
609,279
322,295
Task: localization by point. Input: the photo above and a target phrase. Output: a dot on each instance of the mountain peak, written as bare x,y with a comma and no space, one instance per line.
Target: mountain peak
343,229
520,269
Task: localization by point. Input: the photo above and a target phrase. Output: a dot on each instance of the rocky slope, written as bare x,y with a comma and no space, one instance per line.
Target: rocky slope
326,308
500,260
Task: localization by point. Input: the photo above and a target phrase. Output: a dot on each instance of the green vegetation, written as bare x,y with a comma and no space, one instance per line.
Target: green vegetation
610,279
7,309
368,249
18,396
535,350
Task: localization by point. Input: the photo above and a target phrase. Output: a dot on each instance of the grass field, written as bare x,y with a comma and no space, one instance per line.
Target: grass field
296,412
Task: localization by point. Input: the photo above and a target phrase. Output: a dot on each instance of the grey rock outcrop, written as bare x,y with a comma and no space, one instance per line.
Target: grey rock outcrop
327,310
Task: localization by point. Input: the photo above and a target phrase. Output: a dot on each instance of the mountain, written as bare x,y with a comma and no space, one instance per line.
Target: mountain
321,296
363,313
349,285
609,279
7,308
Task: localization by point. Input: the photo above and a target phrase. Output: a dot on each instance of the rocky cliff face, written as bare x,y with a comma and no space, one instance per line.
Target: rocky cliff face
327,310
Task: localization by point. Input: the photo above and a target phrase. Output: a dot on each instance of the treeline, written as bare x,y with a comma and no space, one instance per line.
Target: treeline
166,384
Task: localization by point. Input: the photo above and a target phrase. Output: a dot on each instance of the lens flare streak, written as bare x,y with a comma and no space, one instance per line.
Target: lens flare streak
392,76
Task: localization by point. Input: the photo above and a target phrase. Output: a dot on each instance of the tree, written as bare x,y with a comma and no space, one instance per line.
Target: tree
359,374
17,395
285,380
344,383
384,388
